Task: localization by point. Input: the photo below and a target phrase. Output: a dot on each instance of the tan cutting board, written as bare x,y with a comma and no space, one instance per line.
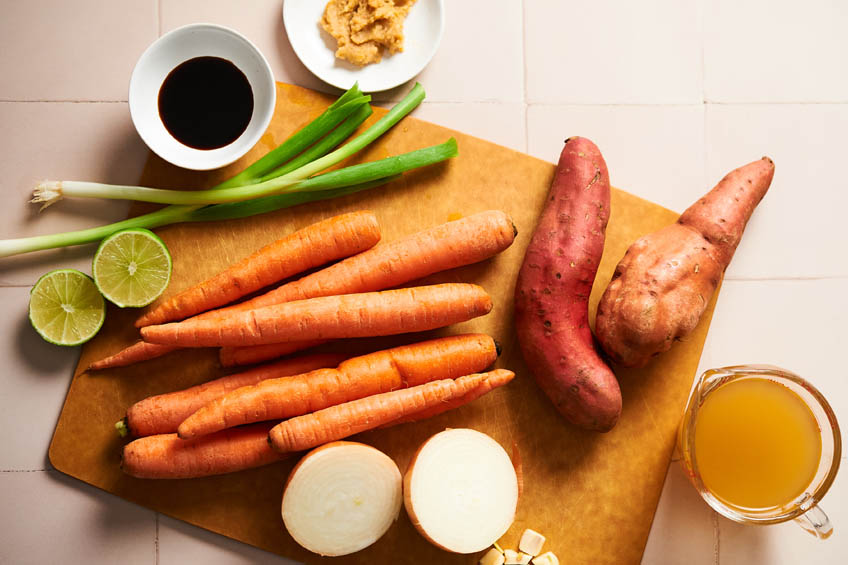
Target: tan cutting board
593,495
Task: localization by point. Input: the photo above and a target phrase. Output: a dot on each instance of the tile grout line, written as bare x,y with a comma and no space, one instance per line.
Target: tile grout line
702,31
788,279
156,542
60,101
158,17
716,539
24,470
525,101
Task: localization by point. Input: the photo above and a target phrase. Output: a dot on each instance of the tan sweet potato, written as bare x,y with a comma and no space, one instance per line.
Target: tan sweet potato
553,287
661,287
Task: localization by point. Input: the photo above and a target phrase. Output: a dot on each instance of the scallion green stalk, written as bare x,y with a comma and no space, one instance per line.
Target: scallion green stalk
348,103
323,145
271,203
301,189
356,174
49,192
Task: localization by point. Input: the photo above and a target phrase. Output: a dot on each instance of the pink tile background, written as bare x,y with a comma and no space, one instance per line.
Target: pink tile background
676,93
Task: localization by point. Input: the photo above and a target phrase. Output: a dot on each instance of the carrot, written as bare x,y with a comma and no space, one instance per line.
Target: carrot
139,351
446,246
343,420
163,413
353,315
496,379
382,371
233,356
166,456
314,245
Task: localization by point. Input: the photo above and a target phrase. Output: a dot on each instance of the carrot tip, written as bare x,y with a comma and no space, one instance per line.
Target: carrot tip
122,427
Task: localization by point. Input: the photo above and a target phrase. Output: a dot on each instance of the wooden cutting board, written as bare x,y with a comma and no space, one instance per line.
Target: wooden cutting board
593,495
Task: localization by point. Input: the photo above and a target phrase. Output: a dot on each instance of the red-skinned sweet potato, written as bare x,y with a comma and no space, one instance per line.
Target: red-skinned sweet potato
553,287
663,284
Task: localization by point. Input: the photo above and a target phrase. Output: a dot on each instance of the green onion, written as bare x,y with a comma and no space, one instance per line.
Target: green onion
356,174
374,170
49,192
179,214
235,210
287,169
324,145
169,215
348,103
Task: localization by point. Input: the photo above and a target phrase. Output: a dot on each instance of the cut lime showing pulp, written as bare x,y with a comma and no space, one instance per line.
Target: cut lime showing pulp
132,267
66,308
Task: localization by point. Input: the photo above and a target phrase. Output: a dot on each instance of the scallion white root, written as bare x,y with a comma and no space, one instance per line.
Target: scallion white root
461,490
341,498
47,193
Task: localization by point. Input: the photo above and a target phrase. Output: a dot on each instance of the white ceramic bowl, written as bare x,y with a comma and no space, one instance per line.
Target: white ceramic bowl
316,49
182,44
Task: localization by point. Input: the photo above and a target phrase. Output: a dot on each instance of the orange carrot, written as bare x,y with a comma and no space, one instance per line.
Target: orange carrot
233,356
368,314
163,413
314,245
446,246
496,379
382,371
139,351
166,456
343,420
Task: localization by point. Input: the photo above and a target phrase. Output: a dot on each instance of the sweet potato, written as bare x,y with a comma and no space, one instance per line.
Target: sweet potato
552,292
661,287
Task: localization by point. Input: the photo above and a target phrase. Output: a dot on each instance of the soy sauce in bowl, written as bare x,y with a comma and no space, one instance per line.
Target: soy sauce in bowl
206,102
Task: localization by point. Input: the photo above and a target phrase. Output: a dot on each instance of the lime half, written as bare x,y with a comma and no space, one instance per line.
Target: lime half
132,267
66,308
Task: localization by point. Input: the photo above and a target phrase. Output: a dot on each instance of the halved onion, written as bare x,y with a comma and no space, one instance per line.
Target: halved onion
461,490
341,497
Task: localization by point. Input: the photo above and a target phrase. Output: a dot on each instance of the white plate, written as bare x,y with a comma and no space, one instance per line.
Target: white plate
316,48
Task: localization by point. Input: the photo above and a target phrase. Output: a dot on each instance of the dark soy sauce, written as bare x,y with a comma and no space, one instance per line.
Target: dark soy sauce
206,102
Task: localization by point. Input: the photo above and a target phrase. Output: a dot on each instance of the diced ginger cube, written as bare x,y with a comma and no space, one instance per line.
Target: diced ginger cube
531,542
547,558
492,557
512,557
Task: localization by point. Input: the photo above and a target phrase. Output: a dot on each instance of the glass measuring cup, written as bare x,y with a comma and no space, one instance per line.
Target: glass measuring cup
803,508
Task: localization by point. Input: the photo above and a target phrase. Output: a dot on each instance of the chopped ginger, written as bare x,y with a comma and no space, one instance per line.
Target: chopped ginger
547,558
492,557
365,29
531,542
512,557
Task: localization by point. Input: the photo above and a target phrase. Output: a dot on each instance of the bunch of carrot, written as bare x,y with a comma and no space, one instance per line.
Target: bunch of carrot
227,424
275,323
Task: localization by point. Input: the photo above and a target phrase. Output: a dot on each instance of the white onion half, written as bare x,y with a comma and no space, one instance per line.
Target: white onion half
461,490
341,497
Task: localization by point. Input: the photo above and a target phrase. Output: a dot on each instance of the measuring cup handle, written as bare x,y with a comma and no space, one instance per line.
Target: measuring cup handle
816,522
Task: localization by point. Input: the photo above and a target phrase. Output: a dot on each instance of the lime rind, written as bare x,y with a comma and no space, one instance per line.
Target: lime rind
132,267
65,307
